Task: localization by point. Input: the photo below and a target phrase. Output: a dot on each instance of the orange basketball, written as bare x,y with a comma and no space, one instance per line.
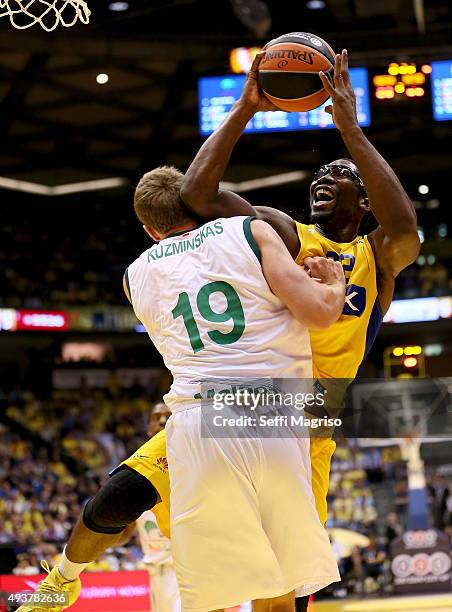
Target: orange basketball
289,71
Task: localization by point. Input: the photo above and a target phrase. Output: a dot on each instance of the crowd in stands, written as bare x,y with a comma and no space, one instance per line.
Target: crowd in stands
364,566
54,453
350,501
83,264
40,500
96,428
424,281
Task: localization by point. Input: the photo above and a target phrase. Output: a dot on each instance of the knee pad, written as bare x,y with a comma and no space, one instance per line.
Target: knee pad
119,502
301,603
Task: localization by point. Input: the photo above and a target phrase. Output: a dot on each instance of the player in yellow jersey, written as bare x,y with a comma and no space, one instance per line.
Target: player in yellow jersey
341,194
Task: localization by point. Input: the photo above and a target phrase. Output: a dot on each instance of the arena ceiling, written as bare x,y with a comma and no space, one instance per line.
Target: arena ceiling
57,125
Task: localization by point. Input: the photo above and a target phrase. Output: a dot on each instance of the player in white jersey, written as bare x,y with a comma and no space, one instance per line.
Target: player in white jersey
226,301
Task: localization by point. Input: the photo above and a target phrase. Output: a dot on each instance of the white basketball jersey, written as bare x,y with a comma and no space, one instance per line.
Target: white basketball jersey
205,303
156,547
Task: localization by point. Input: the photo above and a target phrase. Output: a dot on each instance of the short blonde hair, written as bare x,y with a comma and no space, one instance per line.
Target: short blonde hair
157,201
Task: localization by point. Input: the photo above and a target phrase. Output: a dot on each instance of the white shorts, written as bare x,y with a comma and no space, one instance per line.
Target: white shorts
164,590
243,519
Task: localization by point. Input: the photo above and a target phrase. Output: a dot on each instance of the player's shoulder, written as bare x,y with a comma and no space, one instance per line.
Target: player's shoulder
304,230
261,230
303,226
227,222
367,241
284,225
141,258
136,267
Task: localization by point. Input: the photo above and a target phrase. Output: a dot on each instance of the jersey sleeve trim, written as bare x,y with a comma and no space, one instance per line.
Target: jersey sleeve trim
126,276
299,258
250,238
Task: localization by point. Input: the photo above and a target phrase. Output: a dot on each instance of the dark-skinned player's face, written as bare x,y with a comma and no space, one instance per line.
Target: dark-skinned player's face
158,418
336,194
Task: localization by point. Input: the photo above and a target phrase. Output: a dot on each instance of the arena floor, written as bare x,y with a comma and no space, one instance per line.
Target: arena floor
438,603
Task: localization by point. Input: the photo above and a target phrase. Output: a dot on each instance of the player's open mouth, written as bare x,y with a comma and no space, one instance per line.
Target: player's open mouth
323,197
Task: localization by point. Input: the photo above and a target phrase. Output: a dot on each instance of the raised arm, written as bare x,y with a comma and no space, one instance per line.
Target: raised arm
396,241
200,189
314,303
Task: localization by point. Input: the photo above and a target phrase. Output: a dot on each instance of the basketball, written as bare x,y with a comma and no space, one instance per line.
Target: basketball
289,71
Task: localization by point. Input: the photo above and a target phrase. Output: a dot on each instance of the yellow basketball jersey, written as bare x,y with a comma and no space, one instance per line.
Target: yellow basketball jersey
338,351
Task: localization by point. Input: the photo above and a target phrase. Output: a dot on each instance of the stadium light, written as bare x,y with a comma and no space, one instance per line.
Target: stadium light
442,230
315,5
241,58
69,188
266,181
412,350
404,362
410,362
102,78
117,7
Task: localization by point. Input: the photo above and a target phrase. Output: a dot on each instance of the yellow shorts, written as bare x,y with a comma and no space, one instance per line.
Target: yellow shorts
150,461
321,451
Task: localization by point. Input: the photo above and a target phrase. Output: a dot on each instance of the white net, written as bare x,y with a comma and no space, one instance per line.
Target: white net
47,13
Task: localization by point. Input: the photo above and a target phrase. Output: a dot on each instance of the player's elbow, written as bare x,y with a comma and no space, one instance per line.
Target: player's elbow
410,243
403,250
324,314
331,307
193,196
325,318
190,193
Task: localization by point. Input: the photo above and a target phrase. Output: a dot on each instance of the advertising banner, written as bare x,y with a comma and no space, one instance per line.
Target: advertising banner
101,591
421,562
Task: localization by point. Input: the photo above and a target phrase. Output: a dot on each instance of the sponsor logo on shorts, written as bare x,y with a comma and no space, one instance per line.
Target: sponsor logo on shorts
161,464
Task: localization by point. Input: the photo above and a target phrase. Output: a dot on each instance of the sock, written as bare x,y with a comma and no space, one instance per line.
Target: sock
70,570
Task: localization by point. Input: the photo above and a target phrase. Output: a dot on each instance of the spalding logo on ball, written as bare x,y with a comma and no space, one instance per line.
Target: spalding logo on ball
289,71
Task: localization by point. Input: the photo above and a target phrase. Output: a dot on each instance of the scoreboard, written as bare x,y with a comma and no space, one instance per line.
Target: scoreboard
218,94
441,81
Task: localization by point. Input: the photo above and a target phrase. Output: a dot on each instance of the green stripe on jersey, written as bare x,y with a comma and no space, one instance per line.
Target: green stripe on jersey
126,275
250,238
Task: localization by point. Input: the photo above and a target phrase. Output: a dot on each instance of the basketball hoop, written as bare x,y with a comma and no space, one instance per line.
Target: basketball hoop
47,13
